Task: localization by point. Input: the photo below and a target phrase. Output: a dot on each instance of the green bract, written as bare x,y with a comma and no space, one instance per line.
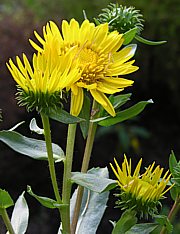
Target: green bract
38,100
121,18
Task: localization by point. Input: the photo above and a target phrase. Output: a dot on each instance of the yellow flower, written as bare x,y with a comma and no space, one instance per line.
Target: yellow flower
141,192
41,85
98,55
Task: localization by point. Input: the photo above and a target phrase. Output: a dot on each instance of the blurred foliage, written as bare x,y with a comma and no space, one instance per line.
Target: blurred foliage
129,135
56,9
160,66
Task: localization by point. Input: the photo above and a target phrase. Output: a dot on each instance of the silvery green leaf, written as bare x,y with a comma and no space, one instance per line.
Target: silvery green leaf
93,182
93,206
34,127
30,147
143,228
20,215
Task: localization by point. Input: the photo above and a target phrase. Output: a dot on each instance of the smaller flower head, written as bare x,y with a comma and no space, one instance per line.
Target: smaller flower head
140,192
41,85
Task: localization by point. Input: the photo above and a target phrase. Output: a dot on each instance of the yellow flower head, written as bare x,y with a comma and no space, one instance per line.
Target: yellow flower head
141,192
98,55
40,85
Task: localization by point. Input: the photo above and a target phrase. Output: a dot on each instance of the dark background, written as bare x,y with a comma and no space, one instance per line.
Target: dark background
152,135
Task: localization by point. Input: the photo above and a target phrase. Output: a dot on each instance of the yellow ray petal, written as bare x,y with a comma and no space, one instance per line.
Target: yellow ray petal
35,46
104,101
77,102
138,167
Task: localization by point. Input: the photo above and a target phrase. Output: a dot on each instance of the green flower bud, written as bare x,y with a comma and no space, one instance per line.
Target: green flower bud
121,18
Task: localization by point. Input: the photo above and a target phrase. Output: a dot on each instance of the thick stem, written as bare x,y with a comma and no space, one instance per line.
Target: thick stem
7,221
84,168
66,193
175,208
47,134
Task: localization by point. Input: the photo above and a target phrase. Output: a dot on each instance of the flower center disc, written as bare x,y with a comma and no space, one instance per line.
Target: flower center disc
87,56
93,65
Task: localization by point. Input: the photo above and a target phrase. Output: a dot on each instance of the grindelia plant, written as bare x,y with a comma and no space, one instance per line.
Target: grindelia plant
85,65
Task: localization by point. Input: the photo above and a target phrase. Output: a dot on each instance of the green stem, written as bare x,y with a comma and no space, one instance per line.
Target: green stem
7,221
66,193
84,168
175,208
47,134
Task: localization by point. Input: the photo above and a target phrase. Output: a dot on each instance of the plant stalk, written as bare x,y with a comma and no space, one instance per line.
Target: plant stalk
66,193
47,135
85,165
175,208
7,221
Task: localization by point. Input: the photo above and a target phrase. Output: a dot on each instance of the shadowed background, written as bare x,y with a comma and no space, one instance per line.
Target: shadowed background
152,135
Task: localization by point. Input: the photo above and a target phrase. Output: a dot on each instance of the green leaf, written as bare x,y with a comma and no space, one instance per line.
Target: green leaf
164,221
174,193
92,207
34,127
33,148
172,162
93,182
20,215
129,35
175,171
5,199
127,220
119,100
85,114
96,21
45,201
147,42
125,114
63,116
176,175
142,228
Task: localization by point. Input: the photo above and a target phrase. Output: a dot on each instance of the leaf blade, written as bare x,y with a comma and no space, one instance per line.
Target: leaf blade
125,114
143,228
5,199
92,182
33,148
63,116
92,208
148,42
127,220
45,201
34,127
85,114
20,215
129,35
